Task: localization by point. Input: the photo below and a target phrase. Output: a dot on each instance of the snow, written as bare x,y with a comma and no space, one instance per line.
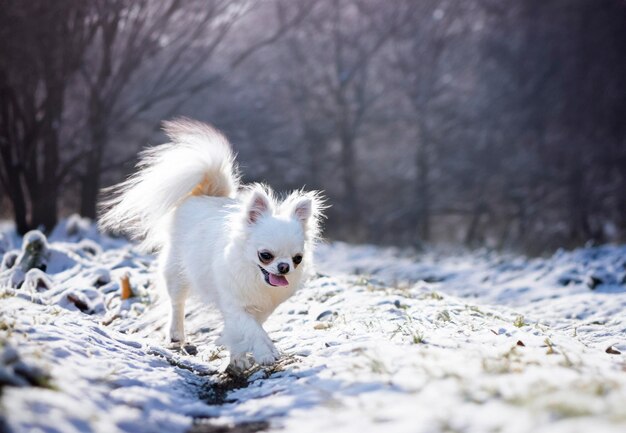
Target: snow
380,339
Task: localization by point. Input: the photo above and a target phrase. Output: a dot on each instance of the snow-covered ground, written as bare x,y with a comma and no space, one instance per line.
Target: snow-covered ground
380,340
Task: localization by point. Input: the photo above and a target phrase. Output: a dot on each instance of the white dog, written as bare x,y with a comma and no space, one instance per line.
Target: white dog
242,249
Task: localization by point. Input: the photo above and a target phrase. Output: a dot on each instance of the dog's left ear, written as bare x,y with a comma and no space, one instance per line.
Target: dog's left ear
303,210
308,209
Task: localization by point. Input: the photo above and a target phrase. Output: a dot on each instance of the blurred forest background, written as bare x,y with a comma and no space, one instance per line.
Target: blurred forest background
483,122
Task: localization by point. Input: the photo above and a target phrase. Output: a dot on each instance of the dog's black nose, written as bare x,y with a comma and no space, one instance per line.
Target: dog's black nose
283,268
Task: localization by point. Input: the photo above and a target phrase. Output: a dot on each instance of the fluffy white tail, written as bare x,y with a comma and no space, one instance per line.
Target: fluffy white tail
198,161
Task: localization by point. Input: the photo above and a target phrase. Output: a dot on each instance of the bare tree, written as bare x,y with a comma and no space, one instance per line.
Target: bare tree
92,71
149,55
131,37
419,60
334,55
480,121
42,45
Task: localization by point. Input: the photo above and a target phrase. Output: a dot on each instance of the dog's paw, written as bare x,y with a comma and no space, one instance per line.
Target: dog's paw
265,354
175,344
267,359
176,335
240,363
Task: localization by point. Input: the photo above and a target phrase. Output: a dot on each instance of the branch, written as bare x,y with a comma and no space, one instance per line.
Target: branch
283,28
69,164
117,164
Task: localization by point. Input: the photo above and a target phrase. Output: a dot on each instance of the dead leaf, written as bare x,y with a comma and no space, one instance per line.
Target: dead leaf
322,325
125,286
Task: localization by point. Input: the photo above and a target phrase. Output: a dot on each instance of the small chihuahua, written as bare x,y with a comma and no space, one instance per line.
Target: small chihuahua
238,247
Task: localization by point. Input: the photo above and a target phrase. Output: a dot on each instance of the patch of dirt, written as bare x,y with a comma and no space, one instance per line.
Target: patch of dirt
246,427
214,391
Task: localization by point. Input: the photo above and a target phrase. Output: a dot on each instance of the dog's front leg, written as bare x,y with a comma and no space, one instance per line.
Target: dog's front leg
243,334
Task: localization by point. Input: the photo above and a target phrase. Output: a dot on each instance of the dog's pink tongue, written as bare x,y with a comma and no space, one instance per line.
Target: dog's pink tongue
278,280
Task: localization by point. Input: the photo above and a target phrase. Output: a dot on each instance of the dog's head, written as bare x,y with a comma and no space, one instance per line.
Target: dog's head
280,234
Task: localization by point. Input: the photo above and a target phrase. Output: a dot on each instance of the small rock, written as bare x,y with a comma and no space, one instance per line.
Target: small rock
8,260
9,355
34,375
566,280
190,349
35,251
612,351
36,281
325,315
34,254
81,304
89,247
433,279
102,277
400,305
8,378
593,281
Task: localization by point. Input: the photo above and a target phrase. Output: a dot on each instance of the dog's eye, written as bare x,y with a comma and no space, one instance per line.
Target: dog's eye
265,256
297,259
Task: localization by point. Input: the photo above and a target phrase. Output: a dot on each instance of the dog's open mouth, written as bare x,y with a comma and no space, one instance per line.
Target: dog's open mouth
273,279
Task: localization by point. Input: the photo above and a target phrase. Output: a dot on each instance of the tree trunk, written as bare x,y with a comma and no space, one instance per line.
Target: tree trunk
18,200
43,186
422,187
580,229
90,181
45,194
45,207
350,200
316,152
472,234
89,188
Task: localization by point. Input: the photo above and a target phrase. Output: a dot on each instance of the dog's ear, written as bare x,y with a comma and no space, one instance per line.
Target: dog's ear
258,205
306,207
303,209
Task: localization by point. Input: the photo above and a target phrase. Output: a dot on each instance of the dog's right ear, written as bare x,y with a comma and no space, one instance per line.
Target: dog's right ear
259,204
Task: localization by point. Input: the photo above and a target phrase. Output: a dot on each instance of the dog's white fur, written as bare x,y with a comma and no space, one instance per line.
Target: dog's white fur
185,201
